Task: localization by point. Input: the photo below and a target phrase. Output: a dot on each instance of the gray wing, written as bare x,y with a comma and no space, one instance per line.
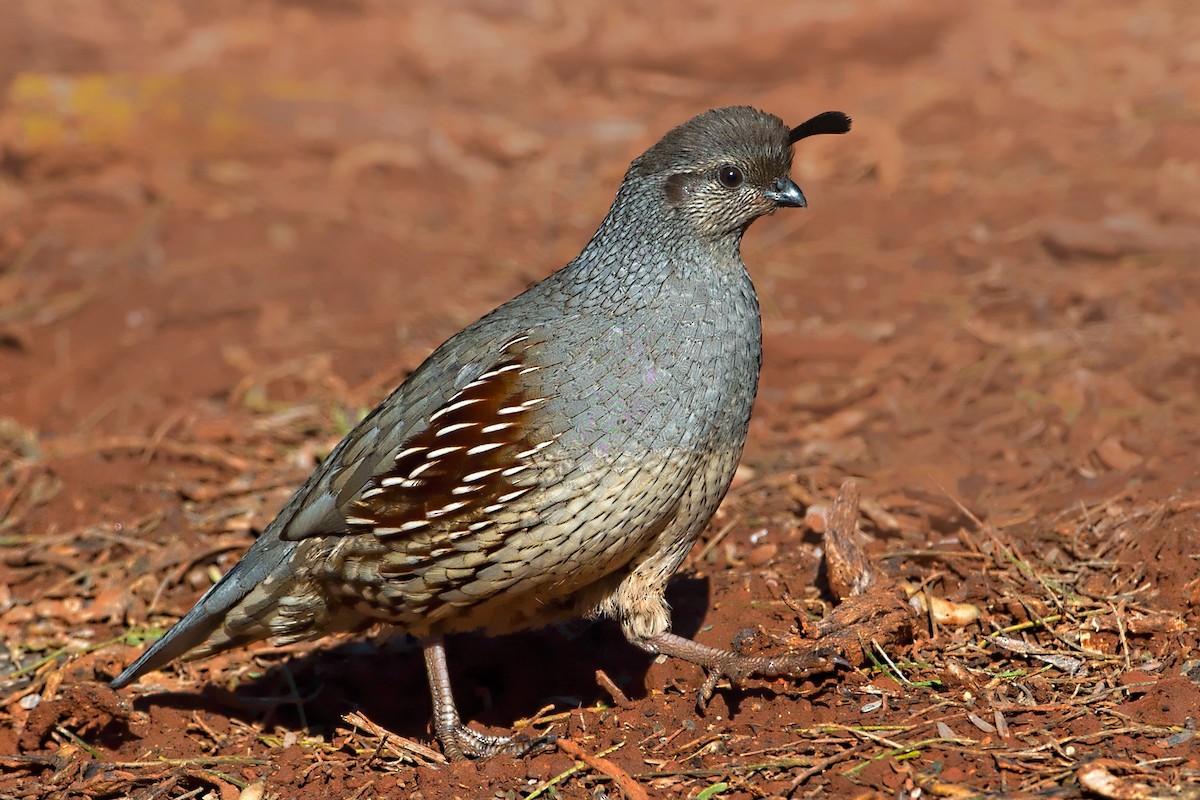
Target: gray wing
228,613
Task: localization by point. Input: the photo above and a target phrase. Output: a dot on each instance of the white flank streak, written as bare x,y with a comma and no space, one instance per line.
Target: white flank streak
509,368
441,451
458,426
483,448
475,487
534,402
412,525
511,342
421,468
441,551
534,449
390,481
369,493
359,521
411,484
385,531
499,426
505,498
475,526
483,473
493,509
528,370
454,407
512,409
410,451
513,471
446,509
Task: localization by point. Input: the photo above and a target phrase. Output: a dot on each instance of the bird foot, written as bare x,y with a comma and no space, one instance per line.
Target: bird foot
460,742
737,668
719,663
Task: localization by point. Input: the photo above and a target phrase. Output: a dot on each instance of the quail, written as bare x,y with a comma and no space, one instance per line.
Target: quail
556,458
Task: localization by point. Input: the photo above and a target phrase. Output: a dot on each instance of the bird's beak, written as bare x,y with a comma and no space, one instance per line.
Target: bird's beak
786,193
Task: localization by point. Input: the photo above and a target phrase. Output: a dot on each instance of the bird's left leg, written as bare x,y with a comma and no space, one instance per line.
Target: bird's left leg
458,740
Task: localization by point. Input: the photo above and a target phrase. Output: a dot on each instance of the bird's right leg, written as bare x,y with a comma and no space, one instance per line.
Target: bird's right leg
718,663
639,605
459,741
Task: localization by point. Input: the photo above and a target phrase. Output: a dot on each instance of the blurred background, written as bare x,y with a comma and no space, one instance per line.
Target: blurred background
253,204
189,189
227,228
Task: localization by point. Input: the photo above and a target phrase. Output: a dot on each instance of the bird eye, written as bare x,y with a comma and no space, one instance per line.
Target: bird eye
730,176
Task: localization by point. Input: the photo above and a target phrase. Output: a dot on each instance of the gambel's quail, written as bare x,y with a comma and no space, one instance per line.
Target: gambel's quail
556,458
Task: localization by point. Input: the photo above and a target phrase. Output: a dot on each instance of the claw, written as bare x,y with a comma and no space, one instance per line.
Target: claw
461,743
706,690
541,744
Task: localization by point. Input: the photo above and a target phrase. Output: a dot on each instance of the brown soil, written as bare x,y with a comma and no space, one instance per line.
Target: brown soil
228,228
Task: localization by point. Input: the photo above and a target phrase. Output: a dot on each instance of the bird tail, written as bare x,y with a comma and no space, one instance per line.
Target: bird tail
244,606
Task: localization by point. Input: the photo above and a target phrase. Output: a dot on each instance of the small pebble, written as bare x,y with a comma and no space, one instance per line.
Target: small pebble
762,555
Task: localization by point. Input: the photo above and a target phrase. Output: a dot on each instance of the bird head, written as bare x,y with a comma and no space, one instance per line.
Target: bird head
727,167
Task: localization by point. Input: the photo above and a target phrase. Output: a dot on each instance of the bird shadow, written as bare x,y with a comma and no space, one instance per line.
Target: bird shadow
495,680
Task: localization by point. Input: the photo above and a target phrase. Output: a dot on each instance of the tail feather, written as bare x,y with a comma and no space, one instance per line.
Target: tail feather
202,631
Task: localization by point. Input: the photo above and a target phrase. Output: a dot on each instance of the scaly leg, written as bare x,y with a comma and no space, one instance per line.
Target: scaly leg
720,663
459,741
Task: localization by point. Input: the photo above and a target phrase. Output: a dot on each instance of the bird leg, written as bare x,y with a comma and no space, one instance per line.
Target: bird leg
459,741
720,663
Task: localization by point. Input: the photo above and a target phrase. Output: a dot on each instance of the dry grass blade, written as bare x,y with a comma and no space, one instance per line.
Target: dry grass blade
397,746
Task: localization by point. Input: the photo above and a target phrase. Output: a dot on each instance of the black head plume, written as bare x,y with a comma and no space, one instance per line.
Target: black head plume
828,122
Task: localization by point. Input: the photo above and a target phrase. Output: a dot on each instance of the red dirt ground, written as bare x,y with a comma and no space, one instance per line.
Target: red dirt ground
227,229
